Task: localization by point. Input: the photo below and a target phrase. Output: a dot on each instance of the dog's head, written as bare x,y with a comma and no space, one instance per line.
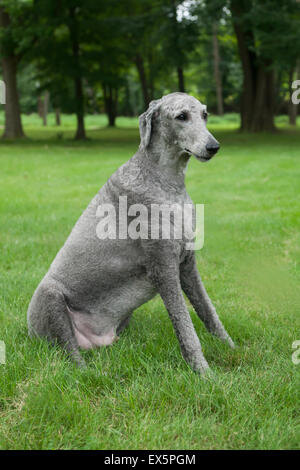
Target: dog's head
180,120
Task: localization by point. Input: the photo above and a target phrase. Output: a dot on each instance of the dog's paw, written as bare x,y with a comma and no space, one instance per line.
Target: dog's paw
209,375
201,368
230,342
227,340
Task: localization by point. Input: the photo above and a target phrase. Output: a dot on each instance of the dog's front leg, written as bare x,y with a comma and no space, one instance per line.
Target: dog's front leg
193,287
164,273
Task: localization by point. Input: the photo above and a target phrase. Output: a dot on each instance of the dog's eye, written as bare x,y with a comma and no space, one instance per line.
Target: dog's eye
205,115
182,117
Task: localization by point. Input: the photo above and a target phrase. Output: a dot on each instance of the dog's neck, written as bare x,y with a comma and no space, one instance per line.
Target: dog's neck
171,160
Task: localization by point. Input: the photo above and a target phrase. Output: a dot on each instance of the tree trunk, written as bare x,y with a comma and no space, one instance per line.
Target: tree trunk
179,54
139,62
257,100
217,71
78,86
151,76
57,117
91,95
263,109
13,124
40,106
180,76
293,108
45,107
80,131
248,65
110,102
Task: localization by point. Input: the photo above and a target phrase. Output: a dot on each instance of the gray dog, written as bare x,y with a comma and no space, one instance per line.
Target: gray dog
92,287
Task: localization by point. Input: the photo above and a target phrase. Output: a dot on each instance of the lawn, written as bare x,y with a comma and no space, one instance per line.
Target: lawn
139,393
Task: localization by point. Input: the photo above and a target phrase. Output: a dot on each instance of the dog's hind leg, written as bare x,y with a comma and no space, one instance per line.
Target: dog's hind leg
124,323
48,317
194,289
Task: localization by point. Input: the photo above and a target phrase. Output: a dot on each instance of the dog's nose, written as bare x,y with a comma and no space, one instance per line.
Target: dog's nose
213,147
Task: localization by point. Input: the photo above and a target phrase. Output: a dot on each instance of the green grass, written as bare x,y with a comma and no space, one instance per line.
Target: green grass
139,393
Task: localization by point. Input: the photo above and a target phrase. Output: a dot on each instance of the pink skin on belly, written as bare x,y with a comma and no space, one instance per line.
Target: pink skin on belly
82,341
89,341
85,336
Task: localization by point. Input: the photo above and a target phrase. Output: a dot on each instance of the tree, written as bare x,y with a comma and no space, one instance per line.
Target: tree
13,125
66,51
43,104
217,71
177,52
138,21
73,12
257,101
256,24
179,37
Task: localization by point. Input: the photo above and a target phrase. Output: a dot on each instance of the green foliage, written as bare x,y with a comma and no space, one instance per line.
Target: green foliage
112,34
29,87
276,29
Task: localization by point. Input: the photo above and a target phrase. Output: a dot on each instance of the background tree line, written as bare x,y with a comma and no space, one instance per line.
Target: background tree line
115,56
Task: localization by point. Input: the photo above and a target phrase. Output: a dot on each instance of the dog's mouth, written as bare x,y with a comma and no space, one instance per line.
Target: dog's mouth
202,158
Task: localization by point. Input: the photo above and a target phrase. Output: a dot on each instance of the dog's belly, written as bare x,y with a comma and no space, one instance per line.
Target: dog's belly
129,296
99,327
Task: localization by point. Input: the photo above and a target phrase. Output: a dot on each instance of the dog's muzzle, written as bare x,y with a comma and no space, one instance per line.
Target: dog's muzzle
212,148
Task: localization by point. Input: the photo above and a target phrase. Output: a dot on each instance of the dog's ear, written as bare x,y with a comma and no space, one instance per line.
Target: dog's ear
145,122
